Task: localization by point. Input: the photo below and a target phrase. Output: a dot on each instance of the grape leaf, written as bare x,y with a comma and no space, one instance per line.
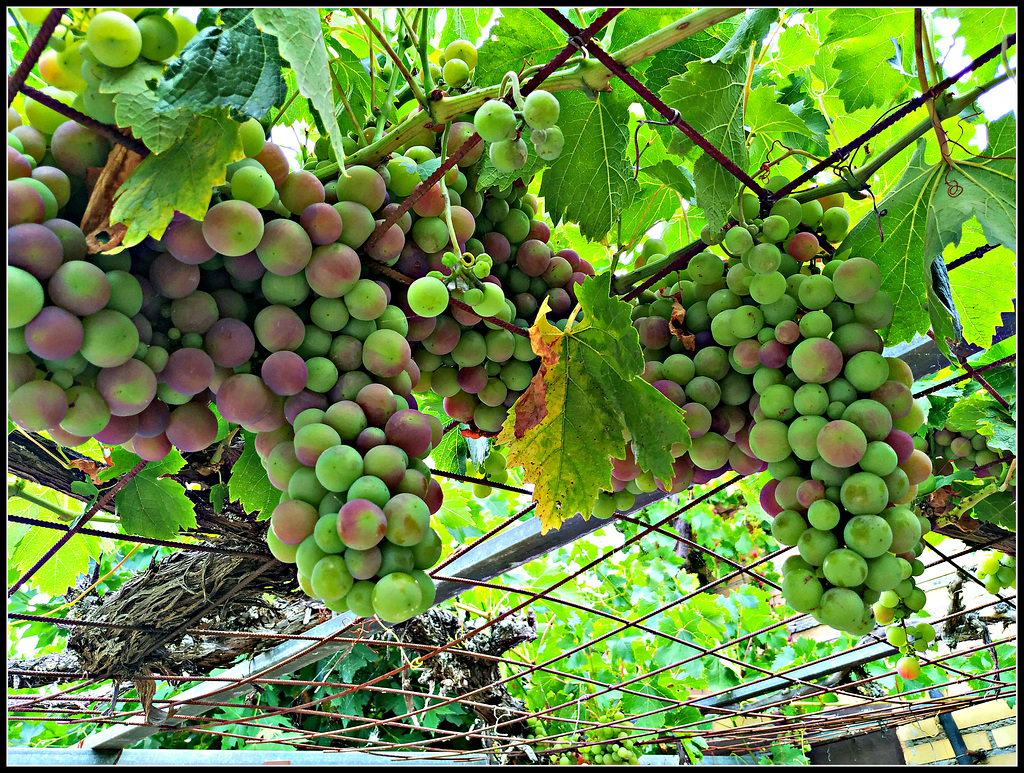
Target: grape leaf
673,60
769,120
752,30
675,176
134,103
300,41
981,28
978,411
587,397
490,176
653,204
591,183
710,98
999,509
249,484
923,218
996,271
866,77
229,65
520,34
464,24
27,544
450,454
633,24
150,505
180,178
354,80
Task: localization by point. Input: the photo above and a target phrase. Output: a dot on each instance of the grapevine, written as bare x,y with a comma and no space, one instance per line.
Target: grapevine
338,310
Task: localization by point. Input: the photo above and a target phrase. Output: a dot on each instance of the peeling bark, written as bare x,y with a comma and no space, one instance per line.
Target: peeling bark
455,673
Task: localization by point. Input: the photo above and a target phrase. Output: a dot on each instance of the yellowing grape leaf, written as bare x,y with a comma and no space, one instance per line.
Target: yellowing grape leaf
180,178
585,401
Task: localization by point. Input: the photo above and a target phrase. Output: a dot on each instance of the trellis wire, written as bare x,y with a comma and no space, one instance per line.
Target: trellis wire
578,39
100,503
910,107
35,50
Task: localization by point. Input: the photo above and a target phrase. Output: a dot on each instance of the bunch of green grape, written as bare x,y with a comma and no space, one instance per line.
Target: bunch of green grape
622,750
774,355
998,571
502,127
955,449
457,63
910,640
493,468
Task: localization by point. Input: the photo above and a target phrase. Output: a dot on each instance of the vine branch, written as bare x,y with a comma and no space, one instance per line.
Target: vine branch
922,77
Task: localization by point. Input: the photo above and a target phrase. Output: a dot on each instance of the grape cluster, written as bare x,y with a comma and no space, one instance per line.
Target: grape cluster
263,318
621,750
502,127
998,570
457,63
964,449
478,367
910,639
774,356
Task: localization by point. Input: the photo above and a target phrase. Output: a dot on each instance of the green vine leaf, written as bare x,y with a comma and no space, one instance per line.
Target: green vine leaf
591,183
586,399
249,484
673,60
981,28
654,203
866,76
181,178
231,65
135,101
450,454
490,176
151,505
520,34
999,509
980,412
300,41
27,544
769,120
710,98
752,30
981,313
464,24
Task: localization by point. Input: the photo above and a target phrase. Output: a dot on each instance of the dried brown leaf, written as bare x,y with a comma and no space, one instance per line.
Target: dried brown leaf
100,234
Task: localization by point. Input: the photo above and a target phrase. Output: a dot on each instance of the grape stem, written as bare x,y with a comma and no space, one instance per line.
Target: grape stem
512,80
970,502
60,512
428,79
399,64
385,114
920,30
585,74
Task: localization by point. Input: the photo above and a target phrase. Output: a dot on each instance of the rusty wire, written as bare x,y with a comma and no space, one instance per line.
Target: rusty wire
820,725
